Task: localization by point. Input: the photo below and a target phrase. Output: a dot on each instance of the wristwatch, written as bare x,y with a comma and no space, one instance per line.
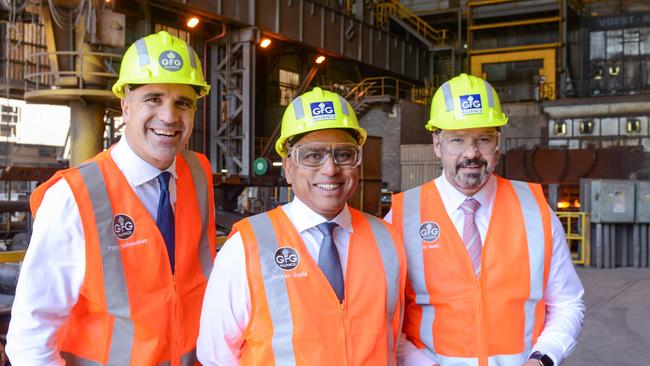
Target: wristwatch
544,360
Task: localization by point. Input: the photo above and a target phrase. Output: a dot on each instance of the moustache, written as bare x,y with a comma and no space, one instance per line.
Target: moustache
471,162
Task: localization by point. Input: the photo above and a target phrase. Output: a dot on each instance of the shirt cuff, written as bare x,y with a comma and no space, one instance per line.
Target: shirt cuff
551,350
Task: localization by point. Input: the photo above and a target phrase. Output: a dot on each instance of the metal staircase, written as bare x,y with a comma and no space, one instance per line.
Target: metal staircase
395,10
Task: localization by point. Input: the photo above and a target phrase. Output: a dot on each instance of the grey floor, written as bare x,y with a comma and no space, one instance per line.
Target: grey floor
617,322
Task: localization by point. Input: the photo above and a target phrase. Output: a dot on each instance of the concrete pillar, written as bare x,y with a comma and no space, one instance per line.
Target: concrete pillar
86,131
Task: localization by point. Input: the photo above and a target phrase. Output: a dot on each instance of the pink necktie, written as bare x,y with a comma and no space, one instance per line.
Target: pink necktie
471,235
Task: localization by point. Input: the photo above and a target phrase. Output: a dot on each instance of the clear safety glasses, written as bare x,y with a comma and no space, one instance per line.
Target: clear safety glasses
455,144
314,154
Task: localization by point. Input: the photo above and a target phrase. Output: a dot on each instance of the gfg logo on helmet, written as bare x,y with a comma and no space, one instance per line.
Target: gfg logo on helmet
429,231
170,60
286,258
471,104
322,111
123,226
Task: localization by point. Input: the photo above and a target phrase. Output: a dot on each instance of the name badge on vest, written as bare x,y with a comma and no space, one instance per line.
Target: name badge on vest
429,232
123,229
287,259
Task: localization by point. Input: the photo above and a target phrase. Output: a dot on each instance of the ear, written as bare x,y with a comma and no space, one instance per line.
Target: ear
436,145
125,109
288,166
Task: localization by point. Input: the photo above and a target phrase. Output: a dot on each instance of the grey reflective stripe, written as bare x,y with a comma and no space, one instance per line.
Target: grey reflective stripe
497,360
457,361
415,263
508,360
275,288
535,238
117,301
490,93
298,112
203,198
344,106
189,359
390,262
72,360
190,51
143,52
449,100
165,363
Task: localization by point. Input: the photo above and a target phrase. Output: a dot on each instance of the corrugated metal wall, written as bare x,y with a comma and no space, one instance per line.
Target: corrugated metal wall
418,165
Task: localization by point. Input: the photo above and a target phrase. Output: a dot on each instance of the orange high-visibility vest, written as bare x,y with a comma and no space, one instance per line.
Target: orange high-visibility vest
132,310
453,316
296,318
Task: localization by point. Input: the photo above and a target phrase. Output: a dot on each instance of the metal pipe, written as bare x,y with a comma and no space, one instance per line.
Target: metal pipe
204,116
598,250
14,206
565,67
597,110
636,244
86,131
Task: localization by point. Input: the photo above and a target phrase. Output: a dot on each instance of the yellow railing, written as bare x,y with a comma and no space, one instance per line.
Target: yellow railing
384,86
384,9
576,226
12,256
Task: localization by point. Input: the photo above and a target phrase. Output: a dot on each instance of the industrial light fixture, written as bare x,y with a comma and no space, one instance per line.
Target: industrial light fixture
265,42
563,204
560,128
277,163
598,74
633,125
320,59
614,70
192,22
586,127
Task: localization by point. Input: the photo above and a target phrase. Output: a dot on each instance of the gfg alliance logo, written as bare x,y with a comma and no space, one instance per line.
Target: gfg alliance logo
170,61
429,231
123,226
322,111
471,104
286,258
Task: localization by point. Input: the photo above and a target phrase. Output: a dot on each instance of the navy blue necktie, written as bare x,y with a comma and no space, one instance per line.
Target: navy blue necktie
165,220
328,259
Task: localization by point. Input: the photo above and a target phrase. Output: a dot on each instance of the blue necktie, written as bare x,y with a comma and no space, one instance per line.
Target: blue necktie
328,259
165,220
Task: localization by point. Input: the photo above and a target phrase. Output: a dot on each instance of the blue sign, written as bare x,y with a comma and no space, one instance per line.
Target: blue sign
322,111
471,104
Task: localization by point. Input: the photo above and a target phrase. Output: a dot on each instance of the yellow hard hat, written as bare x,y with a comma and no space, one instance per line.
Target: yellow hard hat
317,110
160,58
465,101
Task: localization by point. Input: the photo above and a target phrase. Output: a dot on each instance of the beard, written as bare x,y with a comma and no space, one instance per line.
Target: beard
472,180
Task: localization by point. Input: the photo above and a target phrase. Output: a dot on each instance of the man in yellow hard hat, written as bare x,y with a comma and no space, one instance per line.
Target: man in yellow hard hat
312,282
123,244
491,280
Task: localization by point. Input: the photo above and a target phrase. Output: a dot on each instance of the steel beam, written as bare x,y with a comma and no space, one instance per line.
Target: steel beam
325,29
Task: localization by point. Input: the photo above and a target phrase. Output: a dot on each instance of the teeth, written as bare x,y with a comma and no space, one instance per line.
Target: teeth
164,132
328,187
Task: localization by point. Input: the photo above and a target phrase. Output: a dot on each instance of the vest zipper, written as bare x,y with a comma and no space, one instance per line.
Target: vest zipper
175,328
345,332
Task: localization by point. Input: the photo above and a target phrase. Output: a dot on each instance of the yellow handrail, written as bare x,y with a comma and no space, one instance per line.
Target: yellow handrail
576,225
386,8
384,86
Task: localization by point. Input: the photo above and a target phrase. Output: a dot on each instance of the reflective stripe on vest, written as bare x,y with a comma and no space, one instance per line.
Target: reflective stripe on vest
188,359
534,228
391,269
277,296
415,263
203,198
117,301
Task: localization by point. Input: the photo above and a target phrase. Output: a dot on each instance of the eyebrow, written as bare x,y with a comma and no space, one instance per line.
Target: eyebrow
187,100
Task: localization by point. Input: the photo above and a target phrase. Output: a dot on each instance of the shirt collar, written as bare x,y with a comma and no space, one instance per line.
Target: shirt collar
453,198
305,218
135,169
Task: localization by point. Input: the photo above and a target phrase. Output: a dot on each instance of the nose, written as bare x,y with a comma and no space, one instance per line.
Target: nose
329,167
168,113
471,151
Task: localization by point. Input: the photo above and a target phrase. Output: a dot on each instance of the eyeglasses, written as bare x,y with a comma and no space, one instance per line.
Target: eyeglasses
314,154
455,144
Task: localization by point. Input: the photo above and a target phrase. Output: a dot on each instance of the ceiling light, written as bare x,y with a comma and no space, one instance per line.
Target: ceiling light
265,42
192,22
320,59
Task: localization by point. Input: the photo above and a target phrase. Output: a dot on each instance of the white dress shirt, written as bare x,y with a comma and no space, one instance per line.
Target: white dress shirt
227,303
563,295
54,267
